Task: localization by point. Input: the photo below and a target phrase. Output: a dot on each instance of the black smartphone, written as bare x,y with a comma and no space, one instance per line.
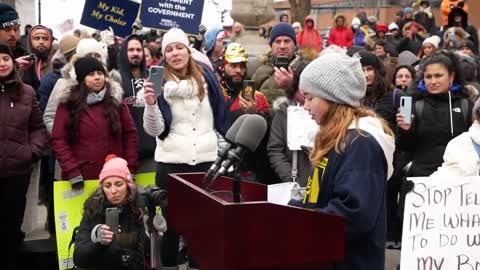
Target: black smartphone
111,219
31,57
282,62
248,87
156,78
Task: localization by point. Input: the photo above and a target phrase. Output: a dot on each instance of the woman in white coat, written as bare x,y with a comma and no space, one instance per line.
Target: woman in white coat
462,155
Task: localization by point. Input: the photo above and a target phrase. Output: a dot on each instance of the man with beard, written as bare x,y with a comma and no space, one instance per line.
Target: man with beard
242,99
133,71
40,44
10,34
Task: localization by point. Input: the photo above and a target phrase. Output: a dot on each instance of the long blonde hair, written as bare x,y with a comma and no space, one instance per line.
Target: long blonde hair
193,70
333,134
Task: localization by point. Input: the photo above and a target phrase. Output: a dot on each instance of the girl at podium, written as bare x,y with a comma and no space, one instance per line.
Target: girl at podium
352,157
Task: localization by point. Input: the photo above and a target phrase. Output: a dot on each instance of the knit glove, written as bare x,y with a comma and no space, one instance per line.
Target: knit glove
100,234
108,36
202,29
137,27
77,182
160,223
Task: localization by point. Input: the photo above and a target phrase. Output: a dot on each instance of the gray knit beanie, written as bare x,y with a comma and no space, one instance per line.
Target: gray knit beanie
335,77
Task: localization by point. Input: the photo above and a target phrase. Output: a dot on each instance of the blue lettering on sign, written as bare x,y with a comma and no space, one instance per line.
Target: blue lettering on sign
165,14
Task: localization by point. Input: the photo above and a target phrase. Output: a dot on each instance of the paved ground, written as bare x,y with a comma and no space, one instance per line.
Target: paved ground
392,257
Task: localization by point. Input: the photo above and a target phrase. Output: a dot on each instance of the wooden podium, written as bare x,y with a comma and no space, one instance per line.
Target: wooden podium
252,234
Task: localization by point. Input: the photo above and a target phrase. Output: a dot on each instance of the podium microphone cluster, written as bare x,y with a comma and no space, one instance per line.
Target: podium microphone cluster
244,136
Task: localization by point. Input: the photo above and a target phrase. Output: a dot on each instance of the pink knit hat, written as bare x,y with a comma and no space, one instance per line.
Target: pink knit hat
115,166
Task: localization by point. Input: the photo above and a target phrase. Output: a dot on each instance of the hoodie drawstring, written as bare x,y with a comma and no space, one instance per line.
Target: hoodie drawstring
451,116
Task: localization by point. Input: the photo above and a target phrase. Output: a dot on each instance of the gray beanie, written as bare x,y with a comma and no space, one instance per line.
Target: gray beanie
335,77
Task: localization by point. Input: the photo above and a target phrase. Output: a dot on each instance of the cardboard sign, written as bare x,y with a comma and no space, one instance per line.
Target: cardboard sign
118,14
441,228
68,207
165,14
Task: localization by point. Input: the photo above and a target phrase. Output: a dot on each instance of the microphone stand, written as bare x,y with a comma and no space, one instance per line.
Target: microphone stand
236,184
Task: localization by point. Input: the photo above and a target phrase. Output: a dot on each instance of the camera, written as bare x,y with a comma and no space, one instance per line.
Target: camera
31,57
151,196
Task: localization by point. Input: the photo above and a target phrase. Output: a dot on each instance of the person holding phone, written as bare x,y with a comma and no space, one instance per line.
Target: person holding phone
99,246
441,111
278,75
184,119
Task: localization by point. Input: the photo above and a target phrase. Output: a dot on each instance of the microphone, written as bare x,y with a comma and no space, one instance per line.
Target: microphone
248,138
230,138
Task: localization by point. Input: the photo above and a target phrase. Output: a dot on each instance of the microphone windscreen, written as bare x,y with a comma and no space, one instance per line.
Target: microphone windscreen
251,132
233,130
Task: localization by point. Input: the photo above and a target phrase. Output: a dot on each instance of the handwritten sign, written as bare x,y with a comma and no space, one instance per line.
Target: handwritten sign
118,14
441,228
165,14
68,208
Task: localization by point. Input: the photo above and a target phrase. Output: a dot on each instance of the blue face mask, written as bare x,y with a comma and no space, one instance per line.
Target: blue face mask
94,98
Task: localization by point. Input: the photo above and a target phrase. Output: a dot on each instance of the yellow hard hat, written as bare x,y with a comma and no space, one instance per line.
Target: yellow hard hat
235,53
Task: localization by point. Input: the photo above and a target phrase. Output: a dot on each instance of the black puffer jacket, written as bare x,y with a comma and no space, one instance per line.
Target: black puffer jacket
126,251
432,130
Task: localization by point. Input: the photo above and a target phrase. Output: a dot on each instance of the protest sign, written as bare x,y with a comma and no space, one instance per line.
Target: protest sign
165,14
68,208
441,228
118,14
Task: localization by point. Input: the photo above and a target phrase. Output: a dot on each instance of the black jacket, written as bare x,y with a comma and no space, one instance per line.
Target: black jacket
124,252
432,130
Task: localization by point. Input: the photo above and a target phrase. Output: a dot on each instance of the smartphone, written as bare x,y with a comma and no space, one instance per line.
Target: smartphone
111,219
248,87
31,57
156,78
282,62
406,109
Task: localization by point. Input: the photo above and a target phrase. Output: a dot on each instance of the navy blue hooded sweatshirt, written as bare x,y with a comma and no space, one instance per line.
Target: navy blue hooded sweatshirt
352,185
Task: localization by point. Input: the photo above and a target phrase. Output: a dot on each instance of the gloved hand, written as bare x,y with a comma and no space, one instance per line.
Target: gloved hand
108,36
160,223
77,183
101,234
202,29
407,186
137,27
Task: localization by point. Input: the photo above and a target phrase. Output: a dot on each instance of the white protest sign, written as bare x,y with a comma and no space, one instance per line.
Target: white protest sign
301,128
441,227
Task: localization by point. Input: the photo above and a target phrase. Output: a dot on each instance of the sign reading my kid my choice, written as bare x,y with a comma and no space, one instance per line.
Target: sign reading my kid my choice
118,14
165,14
441,227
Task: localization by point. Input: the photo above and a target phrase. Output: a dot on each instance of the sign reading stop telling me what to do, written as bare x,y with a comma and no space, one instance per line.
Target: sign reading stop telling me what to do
441,227
165,14
119,14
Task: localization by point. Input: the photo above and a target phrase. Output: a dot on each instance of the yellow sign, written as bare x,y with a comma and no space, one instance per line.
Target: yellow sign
68,207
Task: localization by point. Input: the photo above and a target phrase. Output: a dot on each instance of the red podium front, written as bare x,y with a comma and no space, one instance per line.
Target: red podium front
253,234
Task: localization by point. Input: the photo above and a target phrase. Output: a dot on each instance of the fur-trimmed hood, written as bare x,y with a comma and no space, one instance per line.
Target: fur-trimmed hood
334,22
421,29
116,90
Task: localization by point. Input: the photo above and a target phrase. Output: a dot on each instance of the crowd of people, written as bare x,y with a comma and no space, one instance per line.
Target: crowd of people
73,102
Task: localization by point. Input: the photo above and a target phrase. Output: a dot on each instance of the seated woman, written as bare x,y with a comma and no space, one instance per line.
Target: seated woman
97,246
